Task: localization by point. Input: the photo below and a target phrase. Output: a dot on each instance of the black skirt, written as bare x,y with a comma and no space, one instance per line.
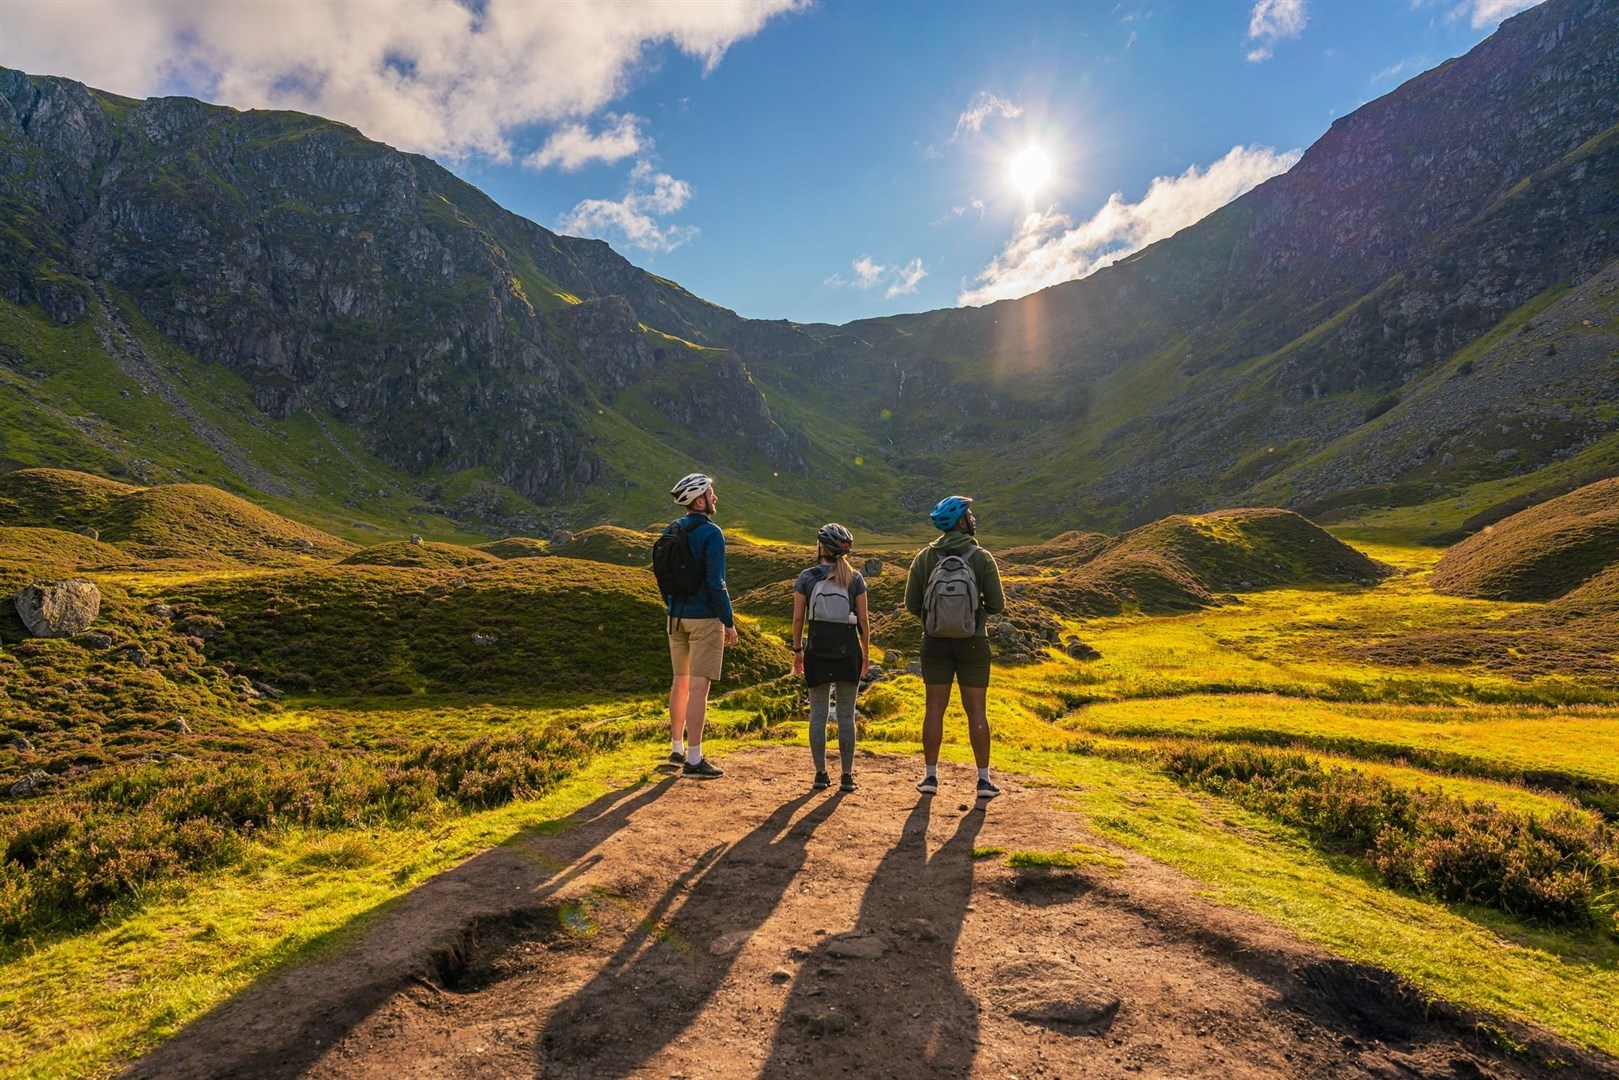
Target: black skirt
819,670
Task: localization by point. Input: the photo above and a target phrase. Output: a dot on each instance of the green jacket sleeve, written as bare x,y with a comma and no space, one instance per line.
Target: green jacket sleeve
916,583
990,593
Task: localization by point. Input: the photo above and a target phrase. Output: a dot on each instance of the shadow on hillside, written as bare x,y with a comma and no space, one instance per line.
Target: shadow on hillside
317,994
600,1030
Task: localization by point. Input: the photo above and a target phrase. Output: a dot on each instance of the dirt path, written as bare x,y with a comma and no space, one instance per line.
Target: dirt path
747,927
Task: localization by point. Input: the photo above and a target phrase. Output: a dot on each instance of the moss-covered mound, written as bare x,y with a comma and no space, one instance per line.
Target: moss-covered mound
609,544
1123,580
516,547
1072,548
747,565
28,554
519,628
1540,553
430,556
174,521
1231,550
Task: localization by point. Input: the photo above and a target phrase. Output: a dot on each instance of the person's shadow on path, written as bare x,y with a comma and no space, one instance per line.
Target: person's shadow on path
655,985
852,1012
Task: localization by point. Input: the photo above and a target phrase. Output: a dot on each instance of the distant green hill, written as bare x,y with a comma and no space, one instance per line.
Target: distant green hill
1540,553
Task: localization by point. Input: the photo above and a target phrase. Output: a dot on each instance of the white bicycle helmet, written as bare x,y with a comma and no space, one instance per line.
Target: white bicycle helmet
689,488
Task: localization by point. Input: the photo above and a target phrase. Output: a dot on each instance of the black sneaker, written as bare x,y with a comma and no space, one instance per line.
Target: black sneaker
676,757
703,770
987,789
821,781
928,785
847,783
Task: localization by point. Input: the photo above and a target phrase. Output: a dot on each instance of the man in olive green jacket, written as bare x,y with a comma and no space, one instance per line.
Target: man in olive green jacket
963,660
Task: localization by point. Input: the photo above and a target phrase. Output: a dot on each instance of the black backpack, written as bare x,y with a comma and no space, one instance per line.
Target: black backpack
673,563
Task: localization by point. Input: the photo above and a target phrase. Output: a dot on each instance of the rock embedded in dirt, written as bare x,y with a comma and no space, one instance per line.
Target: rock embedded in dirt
855,946
30,783
726,944
1045,991
58,608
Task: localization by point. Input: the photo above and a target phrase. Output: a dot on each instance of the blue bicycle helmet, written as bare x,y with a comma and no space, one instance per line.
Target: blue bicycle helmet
949,511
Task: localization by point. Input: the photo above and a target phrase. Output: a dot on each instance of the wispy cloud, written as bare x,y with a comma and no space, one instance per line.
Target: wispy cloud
1398,71
982,107
634,218
440,77
906,279
1271,21
960,210
574,146
1486,13
1049,247
868,273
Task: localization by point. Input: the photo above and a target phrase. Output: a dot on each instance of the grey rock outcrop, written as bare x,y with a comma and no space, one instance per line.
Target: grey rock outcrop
59,608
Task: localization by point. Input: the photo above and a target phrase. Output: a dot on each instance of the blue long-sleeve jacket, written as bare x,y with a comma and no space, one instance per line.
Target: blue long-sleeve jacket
712,600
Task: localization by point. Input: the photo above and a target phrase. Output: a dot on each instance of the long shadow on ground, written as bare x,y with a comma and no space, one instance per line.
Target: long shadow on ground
914,904
281,1027
657,982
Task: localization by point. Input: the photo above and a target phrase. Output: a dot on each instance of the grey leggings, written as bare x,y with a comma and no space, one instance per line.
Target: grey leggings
819,703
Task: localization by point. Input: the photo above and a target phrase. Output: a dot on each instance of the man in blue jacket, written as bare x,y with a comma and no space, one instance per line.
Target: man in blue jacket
700,626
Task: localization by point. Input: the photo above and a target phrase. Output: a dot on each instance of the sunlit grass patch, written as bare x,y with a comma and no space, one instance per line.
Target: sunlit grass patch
1079,855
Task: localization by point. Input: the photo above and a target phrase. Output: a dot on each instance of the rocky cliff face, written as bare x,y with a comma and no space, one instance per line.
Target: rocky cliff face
336,275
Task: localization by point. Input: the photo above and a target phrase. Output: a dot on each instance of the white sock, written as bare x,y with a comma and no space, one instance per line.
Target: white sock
933,772
694,753
983,774
676,746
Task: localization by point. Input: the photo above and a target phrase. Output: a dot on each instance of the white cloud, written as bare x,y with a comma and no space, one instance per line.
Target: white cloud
1048,247
960,210
436,76
869,273
982,107
1486,13
1271,21
573,146
634,217
906,279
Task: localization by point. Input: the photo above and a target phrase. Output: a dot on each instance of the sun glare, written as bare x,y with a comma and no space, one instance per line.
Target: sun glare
1029,170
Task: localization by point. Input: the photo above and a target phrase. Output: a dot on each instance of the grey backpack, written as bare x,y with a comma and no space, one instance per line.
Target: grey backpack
831,615
950,605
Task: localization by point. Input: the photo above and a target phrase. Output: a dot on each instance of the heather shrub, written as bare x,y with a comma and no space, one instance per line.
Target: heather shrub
1560,869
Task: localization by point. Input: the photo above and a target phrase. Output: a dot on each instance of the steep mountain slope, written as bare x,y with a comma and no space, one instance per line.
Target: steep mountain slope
1423,307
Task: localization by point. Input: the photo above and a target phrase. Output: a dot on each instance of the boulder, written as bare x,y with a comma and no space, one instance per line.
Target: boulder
59,608
560,537
180,725
872,568
301,544
30,783
22,745
914,668
161,610
85,530
1081,651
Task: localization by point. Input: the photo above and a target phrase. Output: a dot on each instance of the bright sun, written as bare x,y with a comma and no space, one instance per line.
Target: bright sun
1029,171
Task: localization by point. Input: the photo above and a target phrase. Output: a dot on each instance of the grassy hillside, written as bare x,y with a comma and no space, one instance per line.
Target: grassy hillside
1539,553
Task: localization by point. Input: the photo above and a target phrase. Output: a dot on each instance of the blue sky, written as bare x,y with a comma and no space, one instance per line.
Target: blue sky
820,162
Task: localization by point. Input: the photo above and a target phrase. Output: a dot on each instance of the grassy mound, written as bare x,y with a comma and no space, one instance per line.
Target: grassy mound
1123,580
428,556
28,554
1231,550
516,629
1540,553
516,547
175,521
747,565
1072,548
609,544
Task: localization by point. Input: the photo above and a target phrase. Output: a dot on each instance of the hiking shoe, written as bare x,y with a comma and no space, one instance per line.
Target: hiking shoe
847,783
987,789
928,785
703,770
676,757
821,781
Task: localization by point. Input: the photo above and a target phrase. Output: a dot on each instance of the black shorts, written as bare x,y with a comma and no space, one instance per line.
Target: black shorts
962,660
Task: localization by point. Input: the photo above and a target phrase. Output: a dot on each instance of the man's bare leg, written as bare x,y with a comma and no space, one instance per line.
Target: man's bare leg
975,701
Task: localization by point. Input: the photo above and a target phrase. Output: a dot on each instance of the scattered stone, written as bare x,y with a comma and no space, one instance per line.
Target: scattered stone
456,583
22,745
780,975
268,691
134,654
1006,631
1045,991
855,946
302,544
417,540
86,530
245,687
161,755
914,668
821,1021
1447,458
30,783
871,568
483,640
726,944
95,639
161,610
206,627
560,537
895,657
1081,651
195,642
180,725
58,609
